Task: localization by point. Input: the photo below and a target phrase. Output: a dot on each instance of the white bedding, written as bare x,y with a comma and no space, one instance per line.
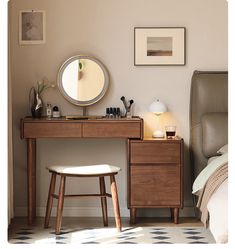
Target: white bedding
207,172
211,159
218,210
218,203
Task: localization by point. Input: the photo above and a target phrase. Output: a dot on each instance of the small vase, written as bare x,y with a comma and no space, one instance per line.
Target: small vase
36,105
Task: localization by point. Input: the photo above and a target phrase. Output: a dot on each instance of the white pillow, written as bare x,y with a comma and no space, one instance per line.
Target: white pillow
211,159
207,172
223,150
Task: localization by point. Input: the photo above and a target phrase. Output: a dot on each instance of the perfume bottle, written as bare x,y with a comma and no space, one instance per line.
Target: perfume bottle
111,114
56,112
118,112
49,110
107,112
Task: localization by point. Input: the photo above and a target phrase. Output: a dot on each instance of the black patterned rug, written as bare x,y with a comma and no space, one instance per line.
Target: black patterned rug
129,235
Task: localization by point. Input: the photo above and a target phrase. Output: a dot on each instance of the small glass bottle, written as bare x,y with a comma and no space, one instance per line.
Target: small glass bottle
107,112
114,112
111,115
128,113
55,112
49,110
118,112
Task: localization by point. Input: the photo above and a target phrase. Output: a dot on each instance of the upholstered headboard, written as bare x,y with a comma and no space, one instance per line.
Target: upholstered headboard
208,117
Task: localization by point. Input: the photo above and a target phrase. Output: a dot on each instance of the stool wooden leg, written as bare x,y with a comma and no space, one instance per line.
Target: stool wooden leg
60,205
115,203
103,201
50,200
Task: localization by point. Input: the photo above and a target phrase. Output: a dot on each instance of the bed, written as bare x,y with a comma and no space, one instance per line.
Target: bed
209,134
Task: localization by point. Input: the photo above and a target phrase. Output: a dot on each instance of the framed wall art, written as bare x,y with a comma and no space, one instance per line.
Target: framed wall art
32,27
159,46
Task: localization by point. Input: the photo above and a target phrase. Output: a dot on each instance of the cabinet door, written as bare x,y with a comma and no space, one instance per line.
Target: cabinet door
155,185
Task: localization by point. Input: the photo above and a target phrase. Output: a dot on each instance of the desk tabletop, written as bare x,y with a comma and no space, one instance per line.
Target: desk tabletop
81,119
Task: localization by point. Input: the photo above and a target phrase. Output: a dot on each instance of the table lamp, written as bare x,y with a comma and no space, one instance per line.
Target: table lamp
158,108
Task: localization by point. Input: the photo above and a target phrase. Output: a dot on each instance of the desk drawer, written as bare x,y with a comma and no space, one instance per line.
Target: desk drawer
157,152
112,129
155,185
52,129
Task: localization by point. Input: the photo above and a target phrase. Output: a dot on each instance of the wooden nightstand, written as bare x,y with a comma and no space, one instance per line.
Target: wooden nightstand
155,175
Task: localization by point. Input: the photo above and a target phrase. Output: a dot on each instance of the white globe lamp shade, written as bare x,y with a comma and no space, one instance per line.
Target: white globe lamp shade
157,107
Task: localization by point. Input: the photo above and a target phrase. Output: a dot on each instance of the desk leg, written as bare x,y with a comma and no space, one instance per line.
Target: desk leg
132,216
31,164
176,215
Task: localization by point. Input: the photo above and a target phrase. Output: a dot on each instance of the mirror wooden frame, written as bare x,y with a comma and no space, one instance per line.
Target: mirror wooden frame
79,102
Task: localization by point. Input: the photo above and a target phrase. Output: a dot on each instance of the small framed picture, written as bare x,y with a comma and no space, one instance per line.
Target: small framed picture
159,46
32,27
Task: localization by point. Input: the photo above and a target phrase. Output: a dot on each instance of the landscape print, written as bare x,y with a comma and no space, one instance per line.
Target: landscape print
159,46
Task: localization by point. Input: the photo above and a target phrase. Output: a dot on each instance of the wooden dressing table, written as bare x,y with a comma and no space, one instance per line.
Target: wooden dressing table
32,129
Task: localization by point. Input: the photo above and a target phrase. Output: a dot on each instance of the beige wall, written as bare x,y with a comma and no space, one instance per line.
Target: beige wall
105,29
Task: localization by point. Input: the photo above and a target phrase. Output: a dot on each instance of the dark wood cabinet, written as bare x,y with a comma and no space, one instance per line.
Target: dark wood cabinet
155,175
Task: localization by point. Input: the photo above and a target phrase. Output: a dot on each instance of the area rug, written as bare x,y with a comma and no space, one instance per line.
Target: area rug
129,235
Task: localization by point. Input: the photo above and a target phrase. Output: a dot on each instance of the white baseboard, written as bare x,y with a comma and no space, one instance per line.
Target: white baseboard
96,212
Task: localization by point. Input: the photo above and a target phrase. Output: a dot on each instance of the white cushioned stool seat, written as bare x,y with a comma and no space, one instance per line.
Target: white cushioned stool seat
101,171
84,170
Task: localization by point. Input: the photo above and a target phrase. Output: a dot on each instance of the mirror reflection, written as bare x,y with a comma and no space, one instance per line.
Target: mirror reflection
83,80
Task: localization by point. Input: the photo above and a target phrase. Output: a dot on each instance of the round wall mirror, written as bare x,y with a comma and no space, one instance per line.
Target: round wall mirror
83,80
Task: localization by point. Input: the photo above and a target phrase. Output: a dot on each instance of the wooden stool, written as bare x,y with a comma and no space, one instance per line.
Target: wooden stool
83,171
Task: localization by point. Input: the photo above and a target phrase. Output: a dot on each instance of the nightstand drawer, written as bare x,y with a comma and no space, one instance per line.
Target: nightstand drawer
155,186
149,152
